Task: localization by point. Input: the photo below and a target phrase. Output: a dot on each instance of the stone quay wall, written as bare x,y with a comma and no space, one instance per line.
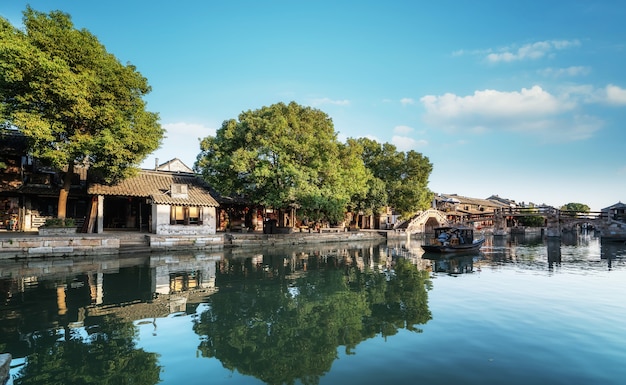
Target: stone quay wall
252,240
185,242
22,245
45,246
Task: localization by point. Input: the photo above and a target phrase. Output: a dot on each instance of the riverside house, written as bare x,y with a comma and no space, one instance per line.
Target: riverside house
29,190
169,200
464,209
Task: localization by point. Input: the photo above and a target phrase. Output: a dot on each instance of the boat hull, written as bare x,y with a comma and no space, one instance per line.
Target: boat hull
449,249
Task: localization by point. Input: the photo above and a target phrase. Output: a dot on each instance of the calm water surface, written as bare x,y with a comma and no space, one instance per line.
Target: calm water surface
522,311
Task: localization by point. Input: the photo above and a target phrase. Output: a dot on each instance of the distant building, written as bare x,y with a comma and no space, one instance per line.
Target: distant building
174,165
465,209
615,212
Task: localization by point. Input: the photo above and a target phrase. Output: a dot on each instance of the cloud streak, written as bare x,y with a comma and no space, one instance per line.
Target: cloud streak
405,143
532,51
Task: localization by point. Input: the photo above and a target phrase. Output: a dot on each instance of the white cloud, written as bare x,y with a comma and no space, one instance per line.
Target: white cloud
585,93
491,103
402,129
326,101
572,71
405,143
531,51
615,95
532,111
407,101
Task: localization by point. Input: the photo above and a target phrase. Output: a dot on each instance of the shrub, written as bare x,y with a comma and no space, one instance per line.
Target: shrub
60,222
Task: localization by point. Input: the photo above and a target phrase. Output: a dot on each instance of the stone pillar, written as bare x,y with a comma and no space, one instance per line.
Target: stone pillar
554,224
100,216
499,222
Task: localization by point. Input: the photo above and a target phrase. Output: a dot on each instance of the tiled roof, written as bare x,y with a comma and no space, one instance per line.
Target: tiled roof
475,201
156,185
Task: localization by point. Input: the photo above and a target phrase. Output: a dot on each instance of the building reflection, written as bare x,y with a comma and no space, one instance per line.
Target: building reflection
611,251
554,252
39,294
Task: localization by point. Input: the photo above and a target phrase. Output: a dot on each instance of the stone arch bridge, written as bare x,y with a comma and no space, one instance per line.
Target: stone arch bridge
426,221
557,220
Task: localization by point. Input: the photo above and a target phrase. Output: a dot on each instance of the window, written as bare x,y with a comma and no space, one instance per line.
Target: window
194,215
186,215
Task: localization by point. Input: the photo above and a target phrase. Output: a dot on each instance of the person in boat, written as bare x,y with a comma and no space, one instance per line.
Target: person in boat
444,238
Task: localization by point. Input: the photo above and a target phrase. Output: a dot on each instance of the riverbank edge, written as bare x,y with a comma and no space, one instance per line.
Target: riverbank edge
33,245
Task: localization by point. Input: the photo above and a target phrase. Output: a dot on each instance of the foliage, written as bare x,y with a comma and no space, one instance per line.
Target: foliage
532,221
577,207
404,175
60,222
281,156
375,197
288,155
291,335
107,356
74,101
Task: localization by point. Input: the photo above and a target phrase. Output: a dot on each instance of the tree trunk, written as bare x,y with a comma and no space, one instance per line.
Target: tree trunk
65,191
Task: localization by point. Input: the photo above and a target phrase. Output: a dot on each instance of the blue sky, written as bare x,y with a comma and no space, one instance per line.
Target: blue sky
522,99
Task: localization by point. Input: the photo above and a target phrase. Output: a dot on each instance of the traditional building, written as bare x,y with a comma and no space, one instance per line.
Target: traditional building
464,209
156,201
29,190
615,212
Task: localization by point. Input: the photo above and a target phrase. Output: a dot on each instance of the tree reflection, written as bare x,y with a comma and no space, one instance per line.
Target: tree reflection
283,326
105,355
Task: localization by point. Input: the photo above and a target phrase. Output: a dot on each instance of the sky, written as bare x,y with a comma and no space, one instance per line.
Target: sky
521,99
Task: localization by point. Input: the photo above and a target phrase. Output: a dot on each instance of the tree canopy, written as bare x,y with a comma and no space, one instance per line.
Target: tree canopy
404,175
284,155
73,100
292,334
288,155
578,207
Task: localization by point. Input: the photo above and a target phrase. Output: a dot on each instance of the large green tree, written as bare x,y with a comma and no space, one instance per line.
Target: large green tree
284,155
404,175
73,100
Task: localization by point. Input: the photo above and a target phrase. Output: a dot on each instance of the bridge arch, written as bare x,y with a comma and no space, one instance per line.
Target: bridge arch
426,221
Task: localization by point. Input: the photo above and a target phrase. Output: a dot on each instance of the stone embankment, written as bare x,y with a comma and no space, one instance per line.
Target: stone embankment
22,245
25,245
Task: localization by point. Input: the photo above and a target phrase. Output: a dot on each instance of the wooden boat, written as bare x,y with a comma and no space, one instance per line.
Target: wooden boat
453,240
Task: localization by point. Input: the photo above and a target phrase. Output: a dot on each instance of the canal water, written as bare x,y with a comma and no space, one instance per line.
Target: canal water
525,310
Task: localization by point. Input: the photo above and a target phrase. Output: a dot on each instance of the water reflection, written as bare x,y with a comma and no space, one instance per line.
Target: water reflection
276,314
453,264
346,297
280,315
611,251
